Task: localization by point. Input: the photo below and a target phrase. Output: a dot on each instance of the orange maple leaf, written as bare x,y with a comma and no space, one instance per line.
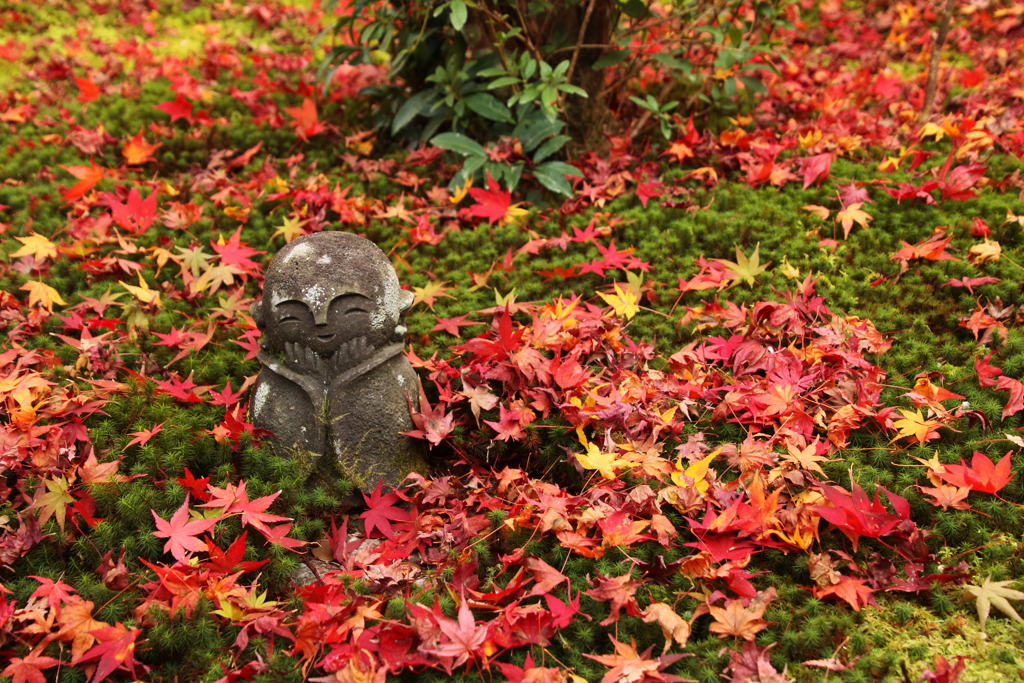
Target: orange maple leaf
931,393
41,293
88,176
628,666
87,90
137,151
853,214
854,591
306,122
736,620
76,622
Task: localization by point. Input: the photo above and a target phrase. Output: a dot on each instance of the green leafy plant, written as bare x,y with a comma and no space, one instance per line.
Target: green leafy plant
480,69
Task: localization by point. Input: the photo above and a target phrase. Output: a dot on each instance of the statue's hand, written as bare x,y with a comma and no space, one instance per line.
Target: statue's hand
304,359
350,354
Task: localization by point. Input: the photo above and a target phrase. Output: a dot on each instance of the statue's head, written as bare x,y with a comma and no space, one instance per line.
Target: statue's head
328,290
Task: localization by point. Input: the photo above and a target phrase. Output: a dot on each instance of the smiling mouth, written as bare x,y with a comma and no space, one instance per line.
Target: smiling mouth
325,337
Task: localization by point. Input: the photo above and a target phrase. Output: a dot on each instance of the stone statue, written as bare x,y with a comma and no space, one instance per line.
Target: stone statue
334,381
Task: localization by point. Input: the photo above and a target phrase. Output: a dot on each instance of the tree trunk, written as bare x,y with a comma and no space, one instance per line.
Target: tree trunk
933,70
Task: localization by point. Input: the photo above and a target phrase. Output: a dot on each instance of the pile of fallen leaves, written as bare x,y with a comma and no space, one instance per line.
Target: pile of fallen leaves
649,465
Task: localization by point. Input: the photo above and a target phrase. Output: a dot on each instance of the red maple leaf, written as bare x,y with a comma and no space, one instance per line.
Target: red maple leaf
229,431
136,215
493,204
629,666
29,669
181,389
986,373
958,186
971,282
982,476
227,397
465,638
254,513
619,590
278,535
180,108
587,234
816,169
142,437
87,90
231,560
432,423
644,192
452,325
547,576
856,515
229,499
944,671
173,339
11,50
932,249
196,487
137,151
57,593
382,512
1016,389
250,341
181,534
236,253
115,651
509,424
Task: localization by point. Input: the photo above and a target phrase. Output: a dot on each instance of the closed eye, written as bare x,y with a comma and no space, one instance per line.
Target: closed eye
356,310
289,319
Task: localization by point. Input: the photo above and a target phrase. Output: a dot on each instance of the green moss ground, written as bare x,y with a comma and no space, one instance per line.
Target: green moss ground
917,312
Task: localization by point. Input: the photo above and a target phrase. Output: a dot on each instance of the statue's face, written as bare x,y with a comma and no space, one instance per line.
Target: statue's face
346,317
330,300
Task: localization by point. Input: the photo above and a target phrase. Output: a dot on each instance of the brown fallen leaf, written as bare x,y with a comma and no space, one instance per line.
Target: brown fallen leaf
673,626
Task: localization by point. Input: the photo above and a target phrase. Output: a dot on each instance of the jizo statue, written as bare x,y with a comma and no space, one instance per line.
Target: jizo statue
335,388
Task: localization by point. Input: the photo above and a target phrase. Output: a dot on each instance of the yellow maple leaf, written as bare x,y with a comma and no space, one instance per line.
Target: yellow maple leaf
213,278
988,251
811,139
595,459
697,472
54,502
932,130
624,303
460,192
229,610
605,463
428,293
890,165
791,272
143,293
292,228
37,246
853,214
935,468
39,293
915,426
